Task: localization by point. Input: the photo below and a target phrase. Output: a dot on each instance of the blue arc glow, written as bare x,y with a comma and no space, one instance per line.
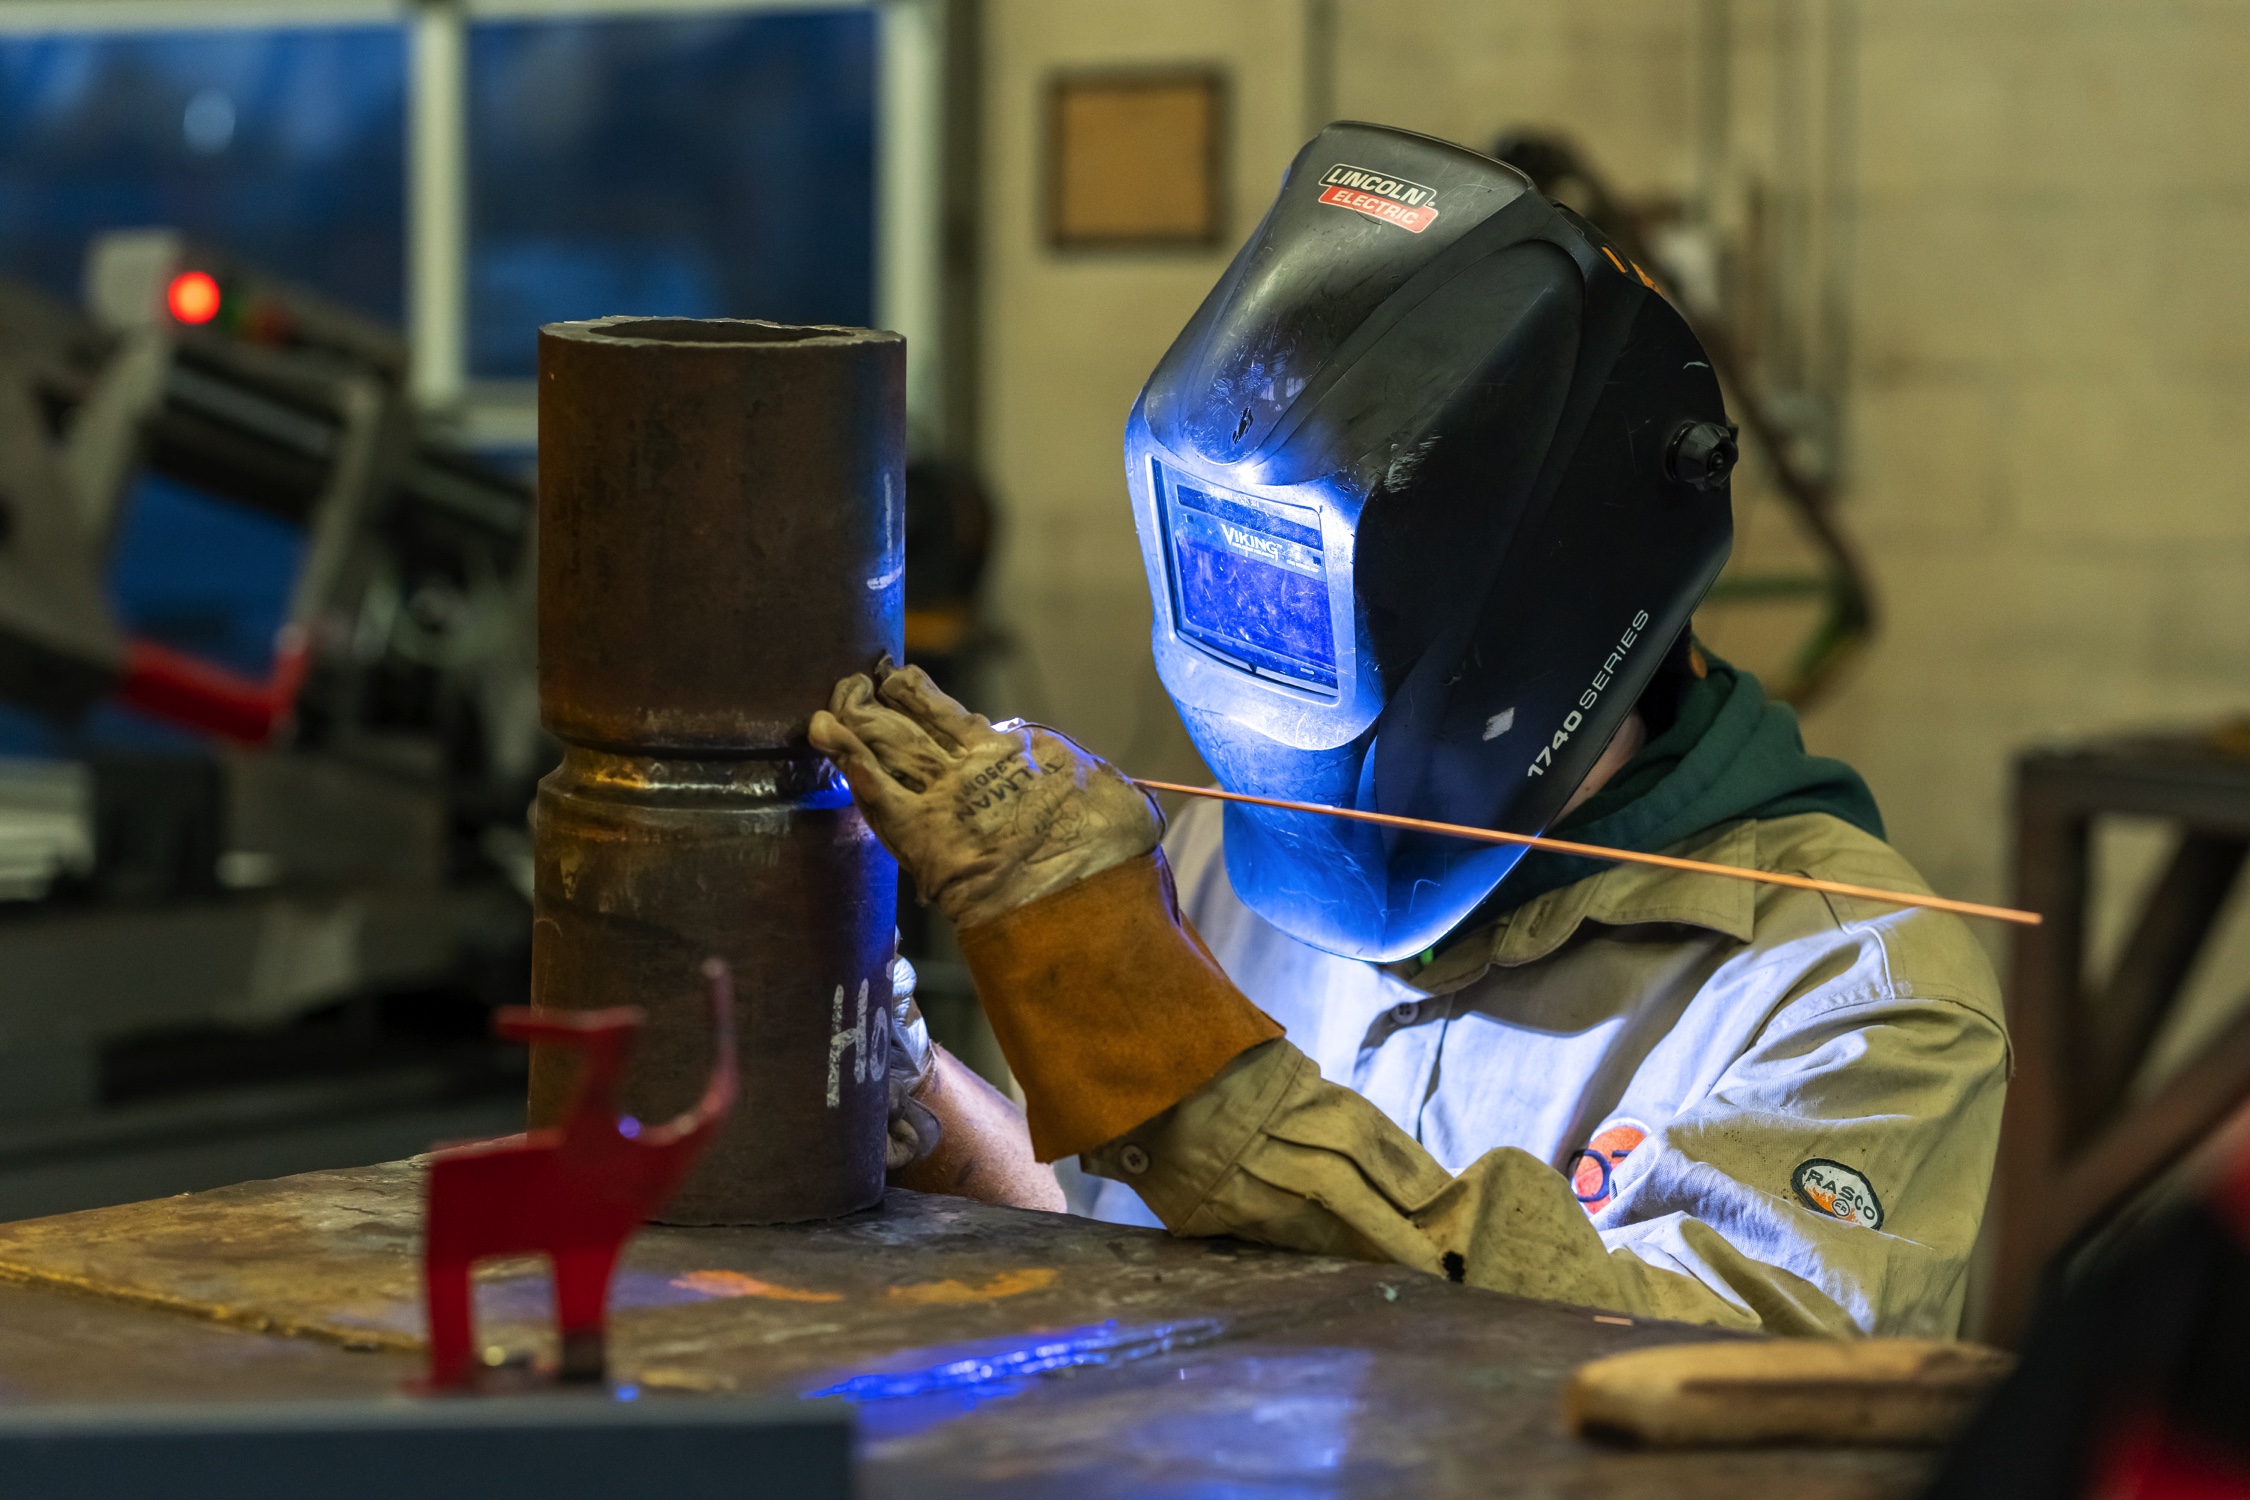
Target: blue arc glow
1104,1343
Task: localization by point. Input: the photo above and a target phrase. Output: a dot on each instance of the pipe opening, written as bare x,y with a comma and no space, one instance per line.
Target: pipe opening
719,331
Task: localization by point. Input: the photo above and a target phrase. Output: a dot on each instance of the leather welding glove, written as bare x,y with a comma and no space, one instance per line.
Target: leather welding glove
1107,1005
986,817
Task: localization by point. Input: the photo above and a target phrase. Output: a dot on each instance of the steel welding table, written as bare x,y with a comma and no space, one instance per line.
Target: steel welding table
988,1351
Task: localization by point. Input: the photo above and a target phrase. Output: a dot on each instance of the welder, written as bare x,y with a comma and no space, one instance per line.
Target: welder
1428,491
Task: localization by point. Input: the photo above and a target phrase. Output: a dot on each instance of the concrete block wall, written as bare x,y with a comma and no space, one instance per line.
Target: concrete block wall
2052,378
2053,367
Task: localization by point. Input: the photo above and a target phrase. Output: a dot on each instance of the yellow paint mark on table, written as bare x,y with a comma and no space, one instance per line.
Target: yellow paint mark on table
736,1284
1006,1284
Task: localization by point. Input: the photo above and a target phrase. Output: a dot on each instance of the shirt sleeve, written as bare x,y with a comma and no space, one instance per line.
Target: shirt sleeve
1706,1225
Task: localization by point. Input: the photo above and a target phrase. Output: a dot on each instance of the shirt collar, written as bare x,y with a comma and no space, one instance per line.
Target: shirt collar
1621,896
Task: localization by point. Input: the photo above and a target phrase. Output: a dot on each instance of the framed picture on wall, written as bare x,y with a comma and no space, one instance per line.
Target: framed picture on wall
1137,160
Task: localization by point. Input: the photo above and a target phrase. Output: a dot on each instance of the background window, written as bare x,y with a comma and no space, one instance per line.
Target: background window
283,147
703,167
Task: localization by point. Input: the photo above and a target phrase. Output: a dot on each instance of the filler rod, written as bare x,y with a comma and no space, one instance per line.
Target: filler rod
1622,856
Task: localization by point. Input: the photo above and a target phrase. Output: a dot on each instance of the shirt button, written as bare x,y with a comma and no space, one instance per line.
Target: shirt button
1133,1159
1404,1012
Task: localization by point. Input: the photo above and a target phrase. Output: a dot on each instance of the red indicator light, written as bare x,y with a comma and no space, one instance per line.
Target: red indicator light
193,297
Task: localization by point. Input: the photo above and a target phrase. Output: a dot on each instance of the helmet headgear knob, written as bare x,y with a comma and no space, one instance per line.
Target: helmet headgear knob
1701,454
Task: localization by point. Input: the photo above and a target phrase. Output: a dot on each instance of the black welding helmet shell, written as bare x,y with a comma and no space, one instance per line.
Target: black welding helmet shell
1425,490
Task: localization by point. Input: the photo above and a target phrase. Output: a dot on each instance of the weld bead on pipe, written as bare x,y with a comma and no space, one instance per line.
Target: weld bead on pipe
721,537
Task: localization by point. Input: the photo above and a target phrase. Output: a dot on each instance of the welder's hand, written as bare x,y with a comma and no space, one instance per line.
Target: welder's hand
913,1130
985,817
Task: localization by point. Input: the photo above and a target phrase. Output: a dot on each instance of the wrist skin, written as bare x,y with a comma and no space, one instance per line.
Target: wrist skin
984,1151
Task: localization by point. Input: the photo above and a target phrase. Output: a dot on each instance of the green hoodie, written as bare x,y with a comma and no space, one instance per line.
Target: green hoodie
1732,753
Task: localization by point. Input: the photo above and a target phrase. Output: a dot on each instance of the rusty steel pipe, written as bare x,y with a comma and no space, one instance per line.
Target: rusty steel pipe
721,537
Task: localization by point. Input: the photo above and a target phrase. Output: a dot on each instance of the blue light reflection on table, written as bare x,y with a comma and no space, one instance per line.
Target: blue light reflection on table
919,1388
1169,1420
1200,1422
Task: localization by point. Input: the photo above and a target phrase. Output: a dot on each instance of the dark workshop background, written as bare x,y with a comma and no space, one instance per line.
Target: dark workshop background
1977,263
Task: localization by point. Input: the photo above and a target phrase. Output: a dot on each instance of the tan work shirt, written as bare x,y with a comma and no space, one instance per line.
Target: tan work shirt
1674,1095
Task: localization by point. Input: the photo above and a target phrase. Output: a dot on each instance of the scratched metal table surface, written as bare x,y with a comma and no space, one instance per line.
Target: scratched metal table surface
988,1352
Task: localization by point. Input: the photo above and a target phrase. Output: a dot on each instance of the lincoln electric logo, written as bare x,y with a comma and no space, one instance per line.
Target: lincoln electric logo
1250,543
1394,200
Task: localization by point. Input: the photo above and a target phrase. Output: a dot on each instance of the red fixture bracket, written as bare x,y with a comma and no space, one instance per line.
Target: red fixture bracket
575,1192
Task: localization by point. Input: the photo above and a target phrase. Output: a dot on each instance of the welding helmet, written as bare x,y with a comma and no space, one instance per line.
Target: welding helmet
1426,489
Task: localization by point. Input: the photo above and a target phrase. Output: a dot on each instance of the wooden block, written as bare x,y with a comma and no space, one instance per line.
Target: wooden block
1743,1392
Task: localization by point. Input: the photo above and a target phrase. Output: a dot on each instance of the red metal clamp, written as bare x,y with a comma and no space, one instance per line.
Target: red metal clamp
575,1193
188,691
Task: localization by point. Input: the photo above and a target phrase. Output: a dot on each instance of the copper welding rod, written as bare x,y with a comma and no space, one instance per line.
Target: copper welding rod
1596,851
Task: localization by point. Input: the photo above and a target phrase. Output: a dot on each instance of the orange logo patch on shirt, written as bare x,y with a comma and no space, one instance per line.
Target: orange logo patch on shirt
1594,1164
1831,1188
